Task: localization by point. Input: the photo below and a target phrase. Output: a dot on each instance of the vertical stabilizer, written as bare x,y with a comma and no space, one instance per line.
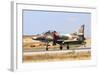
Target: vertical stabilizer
81,32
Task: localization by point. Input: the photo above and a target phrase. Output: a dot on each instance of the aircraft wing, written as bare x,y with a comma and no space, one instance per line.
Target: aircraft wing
42,39
69,41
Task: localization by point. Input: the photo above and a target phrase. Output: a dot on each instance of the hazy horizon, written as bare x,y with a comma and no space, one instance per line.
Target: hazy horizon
37,22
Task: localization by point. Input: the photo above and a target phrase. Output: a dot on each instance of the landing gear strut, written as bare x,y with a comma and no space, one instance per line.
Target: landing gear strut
61,46
47,46
67,46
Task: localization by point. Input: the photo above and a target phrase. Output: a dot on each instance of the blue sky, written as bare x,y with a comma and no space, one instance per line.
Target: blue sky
37,22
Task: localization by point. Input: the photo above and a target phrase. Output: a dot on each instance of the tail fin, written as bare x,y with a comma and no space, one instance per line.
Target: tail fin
81,30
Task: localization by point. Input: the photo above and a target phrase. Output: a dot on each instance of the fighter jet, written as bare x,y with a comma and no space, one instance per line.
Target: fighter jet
62,39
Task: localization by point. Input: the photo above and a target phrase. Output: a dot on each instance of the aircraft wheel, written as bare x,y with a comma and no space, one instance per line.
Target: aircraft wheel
46,49
61,47
67,47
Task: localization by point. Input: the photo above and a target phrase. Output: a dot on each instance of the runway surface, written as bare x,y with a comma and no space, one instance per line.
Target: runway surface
30,52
